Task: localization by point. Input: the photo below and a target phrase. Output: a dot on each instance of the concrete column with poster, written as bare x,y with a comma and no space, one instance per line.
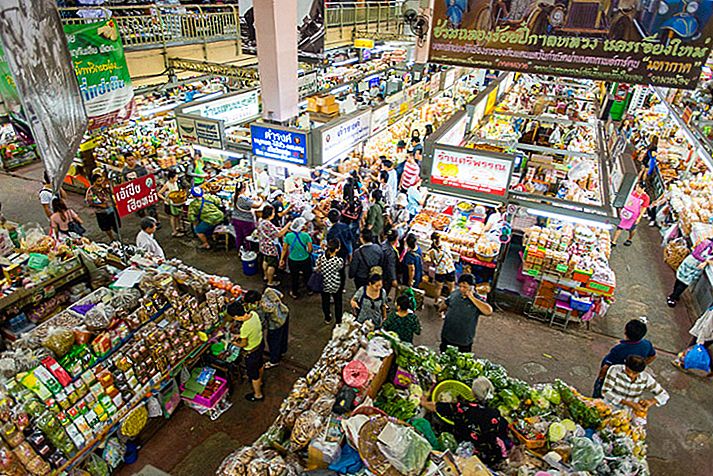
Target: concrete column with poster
275,22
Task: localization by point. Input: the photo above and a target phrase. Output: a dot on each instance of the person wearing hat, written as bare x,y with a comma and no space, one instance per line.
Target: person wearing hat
205,214
251,341
98,197
463,308
400,217
298,253
278,204
475,422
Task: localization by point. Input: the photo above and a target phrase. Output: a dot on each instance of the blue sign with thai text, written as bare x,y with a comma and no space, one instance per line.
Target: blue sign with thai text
279,144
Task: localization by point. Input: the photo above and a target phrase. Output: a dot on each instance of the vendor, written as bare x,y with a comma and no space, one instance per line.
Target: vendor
476,423
251,341
198,173
691,269
262,182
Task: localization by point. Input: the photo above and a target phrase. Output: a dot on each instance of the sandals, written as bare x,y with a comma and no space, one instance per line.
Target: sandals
250,397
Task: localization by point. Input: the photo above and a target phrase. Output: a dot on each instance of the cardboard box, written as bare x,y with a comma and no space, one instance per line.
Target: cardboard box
330,109
380,377
312,105
431,288
326,100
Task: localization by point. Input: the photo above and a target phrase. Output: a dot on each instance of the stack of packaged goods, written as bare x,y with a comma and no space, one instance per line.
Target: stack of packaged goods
346,416
575,252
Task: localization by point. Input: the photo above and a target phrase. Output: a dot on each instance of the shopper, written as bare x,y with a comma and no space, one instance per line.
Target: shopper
412,262
145,239
403,320
64,220
369,302
98,197
441,257
251,341
411,174
392,178
353,209
463,308
415,199
174,213
625,386
389,261
375,215
340,231
400,217
331,266
132,170
633,344
243,217
46,194
388,196
365,260
475,422
205,214
277,315
297,252
268,236
281,208
691,269
702,333
634,209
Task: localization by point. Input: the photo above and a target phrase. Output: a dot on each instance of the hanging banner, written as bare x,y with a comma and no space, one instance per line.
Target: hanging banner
471,171
135,195
102,73
36,52
659,42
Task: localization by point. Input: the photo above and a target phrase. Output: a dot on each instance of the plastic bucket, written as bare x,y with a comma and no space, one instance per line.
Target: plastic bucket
249,259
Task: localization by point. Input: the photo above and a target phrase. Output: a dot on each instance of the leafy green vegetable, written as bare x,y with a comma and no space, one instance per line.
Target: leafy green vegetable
448,441
395,403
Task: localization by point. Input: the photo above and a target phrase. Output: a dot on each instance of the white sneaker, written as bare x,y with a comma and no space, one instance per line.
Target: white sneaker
270,365
652,223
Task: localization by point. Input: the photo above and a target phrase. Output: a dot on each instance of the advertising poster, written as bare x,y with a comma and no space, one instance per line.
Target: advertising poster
310,27
135,195
473,172
659,42
100,65
37,55
279,144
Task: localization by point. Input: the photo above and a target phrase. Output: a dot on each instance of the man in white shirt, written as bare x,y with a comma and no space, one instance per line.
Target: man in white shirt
145,239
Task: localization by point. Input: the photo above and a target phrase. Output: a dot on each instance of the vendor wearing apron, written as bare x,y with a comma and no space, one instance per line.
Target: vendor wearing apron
631,214
691,269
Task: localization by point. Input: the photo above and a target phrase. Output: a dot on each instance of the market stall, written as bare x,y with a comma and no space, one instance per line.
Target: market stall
360,407
15,152
92,363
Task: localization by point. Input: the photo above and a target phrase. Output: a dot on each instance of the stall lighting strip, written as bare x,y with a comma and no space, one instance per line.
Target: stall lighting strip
210,150
278,163
346,62
567,218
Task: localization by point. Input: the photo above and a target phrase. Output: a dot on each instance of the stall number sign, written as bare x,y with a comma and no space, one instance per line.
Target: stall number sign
364,43
471,172
135,195
232,109
342,138
279,144
307,84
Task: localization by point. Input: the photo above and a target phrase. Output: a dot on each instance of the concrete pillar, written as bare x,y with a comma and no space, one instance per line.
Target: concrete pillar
276,34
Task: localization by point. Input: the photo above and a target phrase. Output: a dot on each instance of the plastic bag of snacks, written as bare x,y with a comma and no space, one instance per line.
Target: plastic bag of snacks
675,252
59,341
307,426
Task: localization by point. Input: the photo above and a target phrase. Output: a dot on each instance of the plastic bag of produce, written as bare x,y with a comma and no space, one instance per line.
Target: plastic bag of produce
99,317
59,341
404,448
586,454
697,358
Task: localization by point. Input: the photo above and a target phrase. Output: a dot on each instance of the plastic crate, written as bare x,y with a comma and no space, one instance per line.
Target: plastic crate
529,444
582,276
209,402
580,304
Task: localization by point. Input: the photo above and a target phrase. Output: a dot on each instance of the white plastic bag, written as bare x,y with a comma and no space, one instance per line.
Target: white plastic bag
406,450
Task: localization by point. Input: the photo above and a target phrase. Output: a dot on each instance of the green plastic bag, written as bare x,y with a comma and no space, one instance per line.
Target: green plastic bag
423,426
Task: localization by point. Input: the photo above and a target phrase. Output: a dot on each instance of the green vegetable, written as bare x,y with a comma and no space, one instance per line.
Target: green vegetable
508,398
551,394
448,441
396,404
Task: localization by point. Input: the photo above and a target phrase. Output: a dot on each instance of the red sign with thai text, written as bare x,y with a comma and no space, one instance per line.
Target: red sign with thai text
135,195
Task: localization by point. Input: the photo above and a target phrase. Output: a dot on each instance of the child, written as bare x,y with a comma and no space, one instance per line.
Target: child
403,321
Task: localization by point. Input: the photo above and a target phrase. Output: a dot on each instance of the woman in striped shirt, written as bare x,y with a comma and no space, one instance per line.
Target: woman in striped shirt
411,174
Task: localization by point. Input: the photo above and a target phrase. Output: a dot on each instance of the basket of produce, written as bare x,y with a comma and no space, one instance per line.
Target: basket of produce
527,433
450,391
176,200
389,447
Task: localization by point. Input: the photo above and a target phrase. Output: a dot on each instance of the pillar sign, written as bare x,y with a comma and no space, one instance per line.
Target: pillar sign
275,22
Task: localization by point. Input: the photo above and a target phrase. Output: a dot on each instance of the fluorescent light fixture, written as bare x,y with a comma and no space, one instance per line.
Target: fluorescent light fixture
305,171
341,89
156,110
208,97
346,62
212,151
567,218
369,78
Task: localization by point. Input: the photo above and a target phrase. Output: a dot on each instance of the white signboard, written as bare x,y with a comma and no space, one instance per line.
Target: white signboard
379,119
307,84
472,172
233,109
456,133
187,129
342,138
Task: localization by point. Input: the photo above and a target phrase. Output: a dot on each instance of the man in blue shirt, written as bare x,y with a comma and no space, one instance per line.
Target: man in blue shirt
634,344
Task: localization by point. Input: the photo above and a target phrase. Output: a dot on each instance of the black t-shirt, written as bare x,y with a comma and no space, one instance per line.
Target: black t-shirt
279,208
133,173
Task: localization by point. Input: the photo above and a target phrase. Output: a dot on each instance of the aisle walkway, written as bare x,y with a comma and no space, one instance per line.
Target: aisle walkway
680,434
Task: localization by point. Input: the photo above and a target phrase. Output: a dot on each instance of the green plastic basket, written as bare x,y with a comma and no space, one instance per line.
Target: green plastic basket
38,261
455,388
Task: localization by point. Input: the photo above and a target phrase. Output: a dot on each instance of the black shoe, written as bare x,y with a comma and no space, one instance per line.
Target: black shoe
627,243
670,302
